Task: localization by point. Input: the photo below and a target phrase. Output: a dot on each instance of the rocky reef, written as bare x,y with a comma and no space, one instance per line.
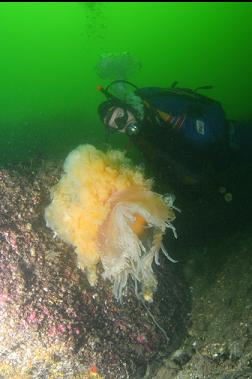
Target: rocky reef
53,324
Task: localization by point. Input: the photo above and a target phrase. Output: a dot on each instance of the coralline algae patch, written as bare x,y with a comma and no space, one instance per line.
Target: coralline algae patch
54,363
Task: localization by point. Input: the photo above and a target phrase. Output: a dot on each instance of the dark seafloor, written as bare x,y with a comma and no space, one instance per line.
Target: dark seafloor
219,341
215,250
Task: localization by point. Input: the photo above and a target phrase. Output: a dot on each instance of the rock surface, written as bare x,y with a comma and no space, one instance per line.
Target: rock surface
52,323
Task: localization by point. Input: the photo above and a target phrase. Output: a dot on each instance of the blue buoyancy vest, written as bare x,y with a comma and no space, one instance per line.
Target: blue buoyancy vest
199,120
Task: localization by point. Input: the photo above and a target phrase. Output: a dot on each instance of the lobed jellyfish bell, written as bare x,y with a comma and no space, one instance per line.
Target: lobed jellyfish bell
106,209
117,66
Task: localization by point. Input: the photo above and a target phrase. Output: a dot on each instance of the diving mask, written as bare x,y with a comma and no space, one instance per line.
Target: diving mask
121,120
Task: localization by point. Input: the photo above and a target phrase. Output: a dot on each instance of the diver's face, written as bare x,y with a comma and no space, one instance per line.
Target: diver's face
119,118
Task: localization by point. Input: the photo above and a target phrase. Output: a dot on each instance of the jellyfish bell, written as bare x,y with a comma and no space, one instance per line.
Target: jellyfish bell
106,209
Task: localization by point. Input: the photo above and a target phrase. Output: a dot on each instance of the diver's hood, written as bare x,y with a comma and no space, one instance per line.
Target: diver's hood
116,114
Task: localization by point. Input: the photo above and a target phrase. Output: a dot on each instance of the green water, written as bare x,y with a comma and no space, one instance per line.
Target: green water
49,51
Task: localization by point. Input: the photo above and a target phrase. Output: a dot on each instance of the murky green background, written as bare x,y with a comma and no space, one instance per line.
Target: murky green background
48,96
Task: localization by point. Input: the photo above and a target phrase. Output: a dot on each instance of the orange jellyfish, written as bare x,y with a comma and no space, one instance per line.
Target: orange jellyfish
106,209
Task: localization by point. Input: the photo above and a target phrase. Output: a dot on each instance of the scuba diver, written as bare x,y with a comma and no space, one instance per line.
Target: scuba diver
185,134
